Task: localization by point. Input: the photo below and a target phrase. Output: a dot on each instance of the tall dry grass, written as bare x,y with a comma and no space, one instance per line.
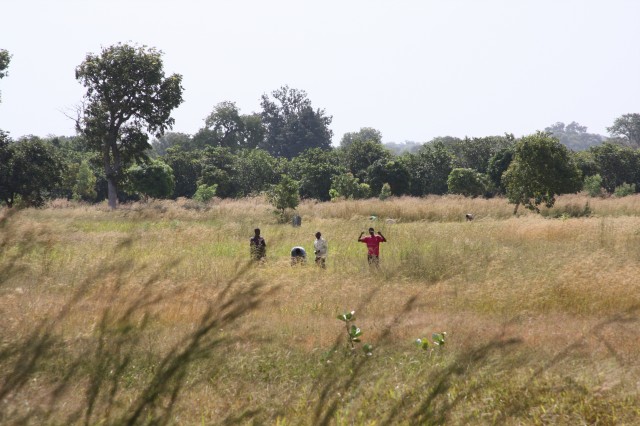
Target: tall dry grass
152,314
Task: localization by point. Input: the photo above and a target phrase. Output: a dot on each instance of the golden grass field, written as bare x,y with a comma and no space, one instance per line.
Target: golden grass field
152,314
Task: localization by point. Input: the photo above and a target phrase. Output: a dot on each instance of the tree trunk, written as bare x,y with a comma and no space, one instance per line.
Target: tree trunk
112,191
515,211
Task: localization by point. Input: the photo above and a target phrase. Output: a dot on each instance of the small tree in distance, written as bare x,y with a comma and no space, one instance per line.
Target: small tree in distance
284,196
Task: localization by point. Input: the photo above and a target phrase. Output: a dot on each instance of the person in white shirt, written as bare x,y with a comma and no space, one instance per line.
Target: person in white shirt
320,248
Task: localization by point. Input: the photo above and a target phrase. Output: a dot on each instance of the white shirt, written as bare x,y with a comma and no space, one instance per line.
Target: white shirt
320,246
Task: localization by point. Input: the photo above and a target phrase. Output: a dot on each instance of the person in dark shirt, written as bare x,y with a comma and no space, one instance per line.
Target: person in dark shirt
258,246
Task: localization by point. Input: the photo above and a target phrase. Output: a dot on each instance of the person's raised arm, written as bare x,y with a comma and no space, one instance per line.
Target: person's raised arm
383,238
360,237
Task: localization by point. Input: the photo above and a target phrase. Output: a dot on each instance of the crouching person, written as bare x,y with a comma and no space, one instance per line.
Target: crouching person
298,255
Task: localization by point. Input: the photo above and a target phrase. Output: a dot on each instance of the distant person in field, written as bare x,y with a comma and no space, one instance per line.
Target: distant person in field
298,255
373,246
257,246
320,248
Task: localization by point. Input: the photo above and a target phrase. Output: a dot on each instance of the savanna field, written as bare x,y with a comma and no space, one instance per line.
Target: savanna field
153,314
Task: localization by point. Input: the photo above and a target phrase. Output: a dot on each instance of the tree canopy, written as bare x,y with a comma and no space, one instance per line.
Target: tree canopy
292,125
627,126
541,169
127,96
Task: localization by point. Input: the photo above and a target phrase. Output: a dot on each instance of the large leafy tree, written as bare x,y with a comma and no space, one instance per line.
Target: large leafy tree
187,168
218,169
128,96
627,127
616,165
475,153
394,172
314,169
226,127
30,168
541,169
292,125
358,156
254,171
430,168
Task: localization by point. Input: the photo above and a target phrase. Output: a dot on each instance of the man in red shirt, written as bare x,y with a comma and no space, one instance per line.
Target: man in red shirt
373,246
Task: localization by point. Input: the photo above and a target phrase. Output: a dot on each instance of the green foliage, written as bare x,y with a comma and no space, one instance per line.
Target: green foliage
85,186
5,59
616,165
593,185
226,127
627,126
218,168
385,192
292,125
30,169
625,189
348,186
467,182
498,164
541,169
205,193
154,179
358,156
363,135
127,97
354,333
475,153
430,168
393,171
187,168
254,171
284,195
315,169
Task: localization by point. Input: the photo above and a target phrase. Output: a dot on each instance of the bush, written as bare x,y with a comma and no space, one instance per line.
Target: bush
593,185
205,193
625,189
385,192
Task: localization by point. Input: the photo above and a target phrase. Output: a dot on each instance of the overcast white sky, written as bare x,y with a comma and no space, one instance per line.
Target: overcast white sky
413,69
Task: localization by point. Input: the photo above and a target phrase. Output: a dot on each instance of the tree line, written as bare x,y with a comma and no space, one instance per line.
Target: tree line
124,150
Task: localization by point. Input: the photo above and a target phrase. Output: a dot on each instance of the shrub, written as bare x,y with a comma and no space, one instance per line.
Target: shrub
625,189
593,185
205,193
385,192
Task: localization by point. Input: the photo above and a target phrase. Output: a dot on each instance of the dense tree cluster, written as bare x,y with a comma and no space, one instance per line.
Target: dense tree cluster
284,148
